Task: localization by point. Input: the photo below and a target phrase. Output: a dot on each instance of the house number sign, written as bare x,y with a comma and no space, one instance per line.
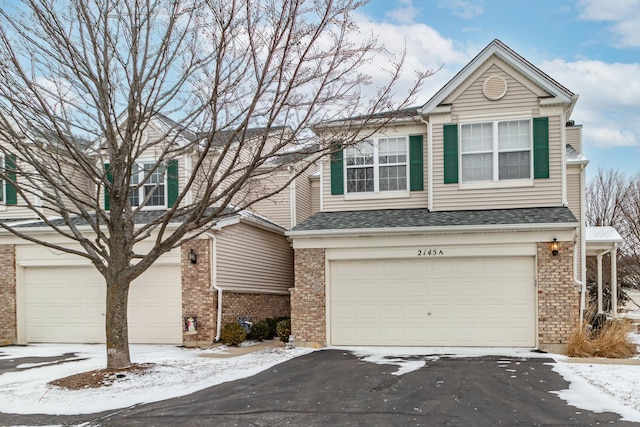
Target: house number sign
430,252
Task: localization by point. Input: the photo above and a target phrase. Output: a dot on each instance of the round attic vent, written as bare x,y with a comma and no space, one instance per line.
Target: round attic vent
494,88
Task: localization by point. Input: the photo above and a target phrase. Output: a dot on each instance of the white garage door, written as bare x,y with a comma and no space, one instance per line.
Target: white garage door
67,304
435,302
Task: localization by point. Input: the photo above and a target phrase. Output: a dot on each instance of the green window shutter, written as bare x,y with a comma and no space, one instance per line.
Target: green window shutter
107,202
450,137
337,170
416,168
541,147
11,193
172,182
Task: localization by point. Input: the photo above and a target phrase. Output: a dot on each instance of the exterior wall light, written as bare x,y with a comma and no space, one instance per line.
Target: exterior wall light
554,247
193,258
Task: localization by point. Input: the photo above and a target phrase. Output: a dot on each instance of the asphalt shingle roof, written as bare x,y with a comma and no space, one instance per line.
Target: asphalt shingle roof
399,218
145,217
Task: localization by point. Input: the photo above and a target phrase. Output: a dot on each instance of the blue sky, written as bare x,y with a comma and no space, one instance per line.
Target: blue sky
590,46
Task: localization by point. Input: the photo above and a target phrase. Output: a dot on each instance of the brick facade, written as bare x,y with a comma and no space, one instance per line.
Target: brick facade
198,298
8,333
254,306
308,299
558,296
201,300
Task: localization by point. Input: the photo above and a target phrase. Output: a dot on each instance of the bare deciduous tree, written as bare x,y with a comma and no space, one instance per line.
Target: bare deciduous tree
81,82
613,199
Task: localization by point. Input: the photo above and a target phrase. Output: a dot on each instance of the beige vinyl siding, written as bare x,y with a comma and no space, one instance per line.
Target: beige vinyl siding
575,206
544,192
315,194
19,210
414,199
304,201
472,106
276,208
574,137
250,259
519,98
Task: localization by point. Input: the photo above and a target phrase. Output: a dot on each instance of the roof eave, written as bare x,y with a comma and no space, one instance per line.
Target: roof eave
357,232
496,47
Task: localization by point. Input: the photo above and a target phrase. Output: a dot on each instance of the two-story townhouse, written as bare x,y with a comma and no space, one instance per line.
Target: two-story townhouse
459,223
58,297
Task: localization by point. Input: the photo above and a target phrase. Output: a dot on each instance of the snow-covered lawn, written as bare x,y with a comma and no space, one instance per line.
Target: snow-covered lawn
179,371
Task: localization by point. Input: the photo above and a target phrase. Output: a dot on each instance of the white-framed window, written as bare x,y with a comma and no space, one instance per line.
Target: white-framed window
496,151
154,185
376,165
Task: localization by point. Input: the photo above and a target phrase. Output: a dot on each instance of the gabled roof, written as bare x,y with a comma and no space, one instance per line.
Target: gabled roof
504,52
399,219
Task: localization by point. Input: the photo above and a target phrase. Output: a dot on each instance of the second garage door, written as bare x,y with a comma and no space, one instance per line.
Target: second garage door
67,304
435,302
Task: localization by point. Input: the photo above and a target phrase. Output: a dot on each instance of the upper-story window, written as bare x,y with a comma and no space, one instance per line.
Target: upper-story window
495,151
153,187
378,164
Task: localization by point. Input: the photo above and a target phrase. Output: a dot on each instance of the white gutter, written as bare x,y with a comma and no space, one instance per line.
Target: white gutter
428,229
429,161
214,284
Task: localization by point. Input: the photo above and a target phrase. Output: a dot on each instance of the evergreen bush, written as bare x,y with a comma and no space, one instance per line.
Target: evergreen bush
232,334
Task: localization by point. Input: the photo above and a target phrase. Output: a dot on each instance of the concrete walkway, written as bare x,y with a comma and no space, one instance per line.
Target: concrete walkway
601,361
242,350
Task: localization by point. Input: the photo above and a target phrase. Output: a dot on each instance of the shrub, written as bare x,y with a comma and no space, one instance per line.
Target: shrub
283,329
232,334
272,322
610,340
260,331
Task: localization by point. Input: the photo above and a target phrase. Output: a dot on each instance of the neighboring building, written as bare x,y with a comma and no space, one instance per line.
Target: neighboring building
459,223
243,264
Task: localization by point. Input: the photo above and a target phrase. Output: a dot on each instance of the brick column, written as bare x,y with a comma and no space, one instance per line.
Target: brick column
308,299
8,332
198,299
558,297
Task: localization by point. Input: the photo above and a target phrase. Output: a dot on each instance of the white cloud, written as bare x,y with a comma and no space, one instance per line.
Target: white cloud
404,14
426,50
624,16
609,99
463,8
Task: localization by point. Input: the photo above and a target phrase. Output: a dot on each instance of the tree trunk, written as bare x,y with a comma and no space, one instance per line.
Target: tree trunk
117,325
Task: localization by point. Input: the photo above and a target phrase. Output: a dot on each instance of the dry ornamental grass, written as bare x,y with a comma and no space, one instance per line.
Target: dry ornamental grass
611,341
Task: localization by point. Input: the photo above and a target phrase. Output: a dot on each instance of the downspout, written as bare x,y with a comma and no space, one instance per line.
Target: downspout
429,161
583,248
214,284
292,199
321,186
563,148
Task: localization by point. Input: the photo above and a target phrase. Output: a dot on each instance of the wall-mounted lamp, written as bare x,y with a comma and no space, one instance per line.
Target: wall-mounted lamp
193,258
554,247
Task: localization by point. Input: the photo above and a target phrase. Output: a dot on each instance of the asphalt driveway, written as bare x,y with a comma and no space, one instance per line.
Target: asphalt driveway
335,388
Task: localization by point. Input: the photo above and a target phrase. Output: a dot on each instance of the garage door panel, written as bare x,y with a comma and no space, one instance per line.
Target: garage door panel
465,301
67,304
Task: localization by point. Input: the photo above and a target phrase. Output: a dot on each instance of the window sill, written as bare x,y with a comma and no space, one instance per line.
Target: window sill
381,195
515,183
